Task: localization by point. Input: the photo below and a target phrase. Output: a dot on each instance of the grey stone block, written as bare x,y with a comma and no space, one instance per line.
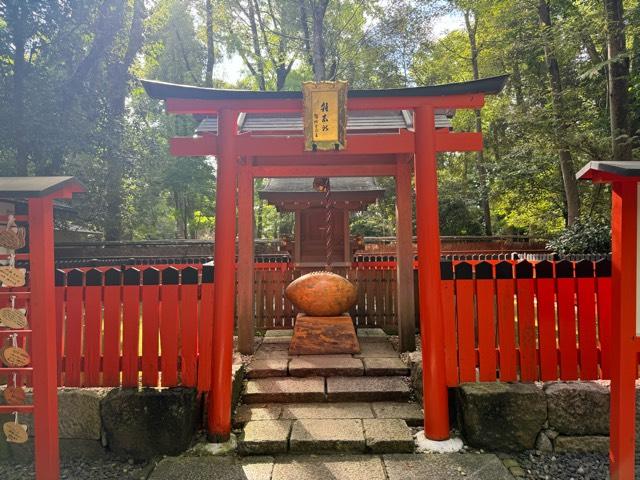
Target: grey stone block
297,411
320,366
367,389
388,435
445,466
578,408
322,435
375,367
409,412
246,413
272,367
143,424
265,437
582,444
284,389
207,468
501,416
377,350
329,467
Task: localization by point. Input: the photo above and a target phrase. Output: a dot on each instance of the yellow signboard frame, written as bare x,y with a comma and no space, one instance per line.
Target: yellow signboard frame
325,115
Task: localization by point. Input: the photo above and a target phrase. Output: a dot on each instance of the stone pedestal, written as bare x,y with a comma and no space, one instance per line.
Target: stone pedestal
323,336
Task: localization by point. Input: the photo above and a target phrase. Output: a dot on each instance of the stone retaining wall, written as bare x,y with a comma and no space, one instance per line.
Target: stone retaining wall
127,422
551,417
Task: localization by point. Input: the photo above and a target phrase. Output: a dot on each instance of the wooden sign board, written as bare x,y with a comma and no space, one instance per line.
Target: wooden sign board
325,115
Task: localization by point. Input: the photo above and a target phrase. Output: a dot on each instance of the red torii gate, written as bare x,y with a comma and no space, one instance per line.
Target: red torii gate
242,157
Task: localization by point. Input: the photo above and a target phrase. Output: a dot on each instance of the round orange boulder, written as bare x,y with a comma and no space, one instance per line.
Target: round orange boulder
322,294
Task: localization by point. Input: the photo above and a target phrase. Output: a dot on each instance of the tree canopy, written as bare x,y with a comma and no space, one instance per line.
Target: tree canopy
71,103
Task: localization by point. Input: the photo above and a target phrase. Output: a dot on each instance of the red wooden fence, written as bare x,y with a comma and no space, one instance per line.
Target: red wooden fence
504,320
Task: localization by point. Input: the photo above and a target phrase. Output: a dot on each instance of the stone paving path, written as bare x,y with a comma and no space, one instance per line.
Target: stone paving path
327,403
335,467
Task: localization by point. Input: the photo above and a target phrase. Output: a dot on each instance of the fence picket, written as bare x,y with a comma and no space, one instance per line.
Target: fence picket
485,295
92,328
526,322
567,321
506,321
545,295
189,325
466,321
586,296
112,321
130,326
73,329
169,319
150,325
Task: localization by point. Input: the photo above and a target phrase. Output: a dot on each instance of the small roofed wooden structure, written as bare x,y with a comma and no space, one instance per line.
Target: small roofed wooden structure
624,178
41,333
309,206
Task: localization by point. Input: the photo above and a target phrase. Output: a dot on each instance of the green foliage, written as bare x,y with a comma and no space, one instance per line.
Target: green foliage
587,235
70,102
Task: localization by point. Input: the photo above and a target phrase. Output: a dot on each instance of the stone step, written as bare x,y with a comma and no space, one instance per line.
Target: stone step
326,366
410,412
333,467
326,436
367,389
331,389
284,389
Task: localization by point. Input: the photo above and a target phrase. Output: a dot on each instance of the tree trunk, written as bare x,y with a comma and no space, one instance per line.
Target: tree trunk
119,74
318,43
18,12
566,162
618,81
255,40
480,165
211,59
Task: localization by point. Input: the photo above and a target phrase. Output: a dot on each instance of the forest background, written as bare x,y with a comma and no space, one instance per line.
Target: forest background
71,103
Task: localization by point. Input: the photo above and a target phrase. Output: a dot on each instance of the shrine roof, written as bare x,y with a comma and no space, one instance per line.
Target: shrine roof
610,171
27,187
163,91
305,185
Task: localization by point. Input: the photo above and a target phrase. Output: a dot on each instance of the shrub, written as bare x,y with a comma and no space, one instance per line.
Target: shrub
586,235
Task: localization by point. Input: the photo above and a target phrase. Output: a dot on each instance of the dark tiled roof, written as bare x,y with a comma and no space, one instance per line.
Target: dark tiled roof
163,90
26,187
305,185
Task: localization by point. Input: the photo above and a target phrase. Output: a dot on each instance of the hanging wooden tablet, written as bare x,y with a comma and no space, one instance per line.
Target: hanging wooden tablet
16,357
13,240
12,277
15,432
13,318
14,395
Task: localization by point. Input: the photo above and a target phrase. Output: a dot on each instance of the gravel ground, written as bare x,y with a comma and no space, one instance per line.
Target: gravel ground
82,470
568,466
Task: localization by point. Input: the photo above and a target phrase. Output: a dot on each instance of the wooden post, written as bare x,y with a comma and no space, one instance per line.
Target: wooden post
219,418
43,348
246,323
297,240
346,235
623,362
436,407
404,259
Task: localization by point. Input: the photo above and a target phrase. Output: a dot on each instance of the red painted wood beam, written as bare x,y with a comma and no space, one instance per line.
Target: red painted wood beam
250,145
43,345
265,146
323,171
186,106
624,208
193,146
458,141
219,419
436,406
325,159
